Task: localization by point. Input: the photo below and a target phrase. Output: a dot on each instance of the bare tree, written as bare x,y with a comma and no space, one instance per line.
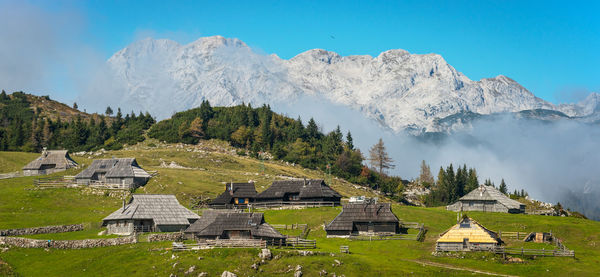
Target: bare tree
379,158
425,178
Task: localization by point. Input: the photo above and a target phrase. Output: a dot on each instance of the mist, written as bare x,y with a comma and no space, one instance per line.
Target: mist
553,161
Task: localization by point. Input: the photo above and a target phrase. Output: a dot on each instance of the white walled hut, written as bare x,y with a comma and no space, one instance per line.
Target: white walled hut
487,199
49,162
364,218
149,213
117,171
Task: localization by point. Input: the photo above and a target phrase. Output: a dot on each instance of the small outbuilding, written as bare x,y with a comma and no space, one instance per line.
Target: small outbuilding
487,199
221,224
49,162
364,218
124,172
468,235
297,191
149,213
235,195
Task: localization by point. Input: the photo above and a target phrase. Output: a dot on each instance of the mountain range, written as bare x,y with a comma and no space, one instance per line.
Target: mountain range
400,90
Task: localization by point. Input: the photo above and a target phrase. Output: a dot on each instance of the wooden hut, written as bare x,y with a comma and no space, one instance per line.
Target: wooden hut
149,213
220,224
487,199
364,218
49,162
235,195
124,172
468,235
298,191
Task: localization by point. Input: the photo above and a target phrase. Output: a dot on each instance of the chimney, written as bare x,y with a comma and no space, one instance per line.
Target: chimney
44,152
304,182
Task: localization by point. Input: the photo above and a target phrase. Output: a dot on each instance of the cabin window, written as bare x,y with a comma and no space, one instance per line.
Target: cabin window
295,197
241,201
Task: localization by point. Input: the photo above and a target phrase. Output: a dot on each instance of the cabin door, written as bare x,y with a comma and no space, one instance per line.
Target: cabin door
465,243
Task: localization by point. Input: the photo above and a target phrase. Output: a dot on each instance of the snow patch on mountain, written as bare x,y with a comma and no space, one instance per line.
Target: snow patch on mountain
400,90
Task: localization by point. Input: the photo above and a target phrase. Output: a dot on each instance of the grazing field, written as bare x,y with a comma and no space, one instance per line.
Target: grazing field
210,164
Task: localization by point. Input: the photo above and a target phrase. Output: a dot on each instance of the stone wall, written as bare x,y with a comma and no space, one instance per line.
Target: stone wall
65,244
165,237
42,230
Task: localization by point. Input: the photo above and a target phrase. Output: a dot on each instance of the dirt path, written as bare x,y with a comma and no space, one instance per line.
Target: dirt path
428,263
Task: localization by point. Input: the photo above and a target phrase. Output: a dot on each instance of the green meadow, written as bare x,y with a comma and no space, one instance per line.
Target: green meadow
210,164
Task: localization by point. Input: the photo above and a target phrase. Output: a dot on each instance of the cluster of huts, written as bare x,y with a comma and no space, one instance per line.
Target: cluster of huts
287,192
125,173
362,216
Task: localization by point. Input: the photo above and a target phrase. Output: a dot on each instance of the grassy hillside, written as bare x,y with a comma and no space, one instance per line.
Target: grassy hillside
211,163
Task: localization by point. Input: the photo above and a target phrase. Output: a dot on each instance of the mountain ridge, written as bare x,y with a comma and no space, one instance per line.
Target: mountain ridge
400,90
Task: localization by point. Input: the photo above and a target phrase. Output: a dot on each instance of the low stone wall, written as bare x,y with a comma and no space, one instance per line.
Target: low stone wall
42,230
65,244
166,237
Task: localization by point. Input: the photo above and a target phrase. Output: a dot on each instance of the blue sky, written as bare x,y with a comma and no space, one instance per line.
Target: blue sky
550,47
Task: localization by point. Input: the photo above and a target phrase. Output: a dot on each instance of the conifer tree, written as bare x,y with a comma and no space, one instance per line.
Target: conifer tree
379,157
425,178
108,111
503,188
349,141
75,105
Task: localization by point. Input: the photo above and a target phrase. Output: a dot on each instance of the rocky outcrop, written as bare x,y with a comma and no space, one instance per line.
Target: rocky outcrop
42,230
65,244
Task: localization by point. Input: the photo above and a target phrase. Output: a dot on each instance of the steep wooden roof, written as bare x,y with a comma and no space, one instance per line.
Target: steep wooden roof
468,229
214,223
490,193
60,158
115,168
162,209
364,212
233,190
313,188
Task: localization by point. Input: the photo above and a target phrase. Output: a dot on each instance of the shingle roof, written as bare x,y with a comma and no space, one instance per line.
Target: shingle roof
239,190
364,212
114,168
468,229
214,223
314,188
163,209
490,193
60,158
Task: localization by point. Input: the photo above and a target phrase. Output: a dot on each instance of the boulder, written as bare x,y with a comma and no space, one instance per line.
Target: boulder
265,254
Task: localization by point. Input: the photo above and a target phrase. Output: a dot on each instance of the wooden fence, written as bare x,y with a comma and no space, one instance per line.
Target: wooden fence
281,204
293,242
55,182
536,252
513,235
293,226
225,243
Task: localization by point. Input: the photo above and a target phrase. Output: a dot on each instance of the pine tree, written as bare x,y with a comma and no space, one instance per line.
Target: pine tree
312,130
75,105
349,141
472,182
108,111
461,181
379,157
503,188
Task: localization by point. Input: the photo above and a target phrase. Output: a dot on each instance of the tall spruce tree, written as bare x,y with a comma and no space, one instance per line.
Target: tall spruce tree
503,188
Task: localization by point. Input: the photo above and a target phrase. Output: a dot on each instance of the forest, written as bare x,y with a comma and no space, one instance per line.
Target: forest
25,128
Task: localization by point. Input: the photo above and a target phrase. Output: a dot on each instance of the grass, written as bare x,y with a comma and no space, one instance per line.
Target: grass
213,163
11,162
